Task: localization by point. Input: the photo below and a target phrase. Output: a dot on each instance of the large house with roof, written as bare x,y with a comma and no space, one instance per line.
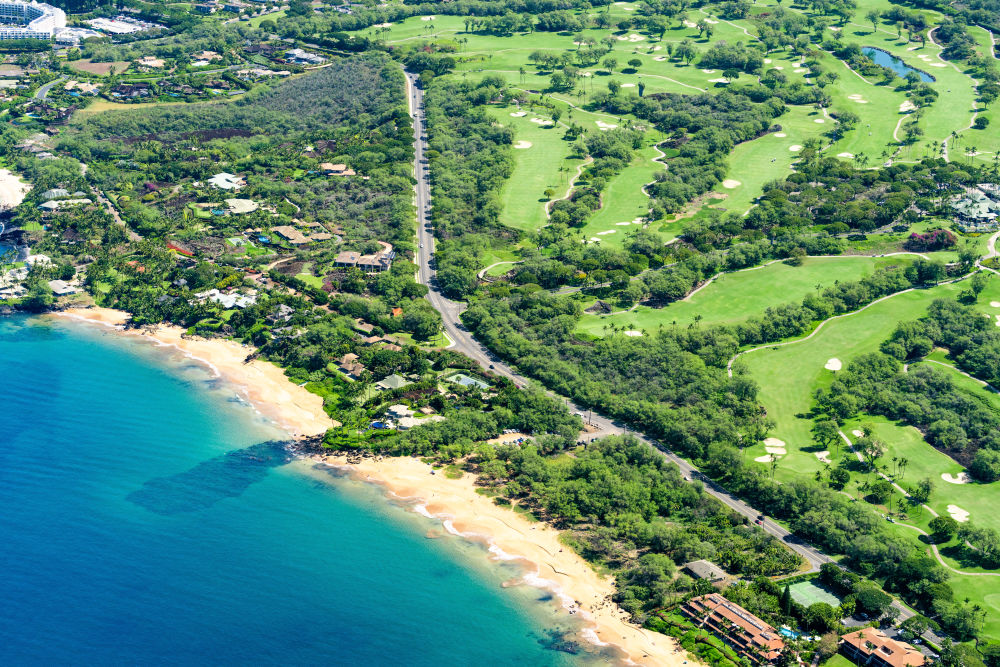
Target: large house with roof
750,636
870,647
977,209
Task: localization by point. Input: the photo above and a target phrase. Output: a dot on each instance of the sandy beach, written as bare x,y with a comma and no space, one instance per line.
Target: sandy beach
12,189
511,537
263,384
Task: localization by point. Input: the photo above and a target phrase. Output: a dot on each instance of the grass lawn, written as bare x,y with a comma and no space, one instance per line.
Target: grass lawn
754,163
438,341
837,660
543,164
787,377
100,104
734,297
274,16
624,201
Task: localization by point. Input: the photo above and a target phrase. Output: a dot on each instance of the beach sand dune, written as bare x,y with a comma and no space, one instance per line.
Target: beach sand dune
263,384
547,562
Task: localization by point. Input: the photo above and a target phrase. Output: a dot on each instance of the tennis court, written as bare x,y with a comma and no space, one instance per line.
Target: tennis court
807,593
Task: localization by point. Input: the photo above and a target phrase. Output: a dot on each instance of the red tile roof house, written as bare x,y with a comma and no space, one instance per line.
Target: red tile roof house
751,637
871,646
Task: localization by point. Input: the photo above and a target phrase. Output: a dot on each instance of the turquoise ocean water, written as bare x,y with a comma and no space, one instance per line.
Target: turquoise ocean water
148,516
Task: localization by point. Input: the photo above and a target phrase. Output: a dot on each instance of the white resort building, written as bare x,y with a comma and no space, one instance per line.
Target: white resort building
30,20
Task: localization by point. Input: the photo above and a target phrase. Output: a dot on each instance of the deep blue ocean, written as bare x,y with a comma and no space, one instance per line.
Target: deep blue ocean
148,516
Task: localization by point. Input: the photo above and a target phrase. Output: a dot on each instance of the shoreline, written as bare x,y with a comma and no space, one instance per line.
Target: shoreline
264,385
507,536
510,537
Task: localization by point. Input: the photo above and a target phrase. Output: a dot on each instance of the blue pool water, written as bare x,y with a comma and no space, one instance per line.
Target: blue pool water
149,517
886,59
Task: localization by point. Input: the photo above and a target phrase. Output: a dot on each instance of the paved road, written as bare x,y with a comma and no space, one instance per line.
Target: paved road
43,91
466,344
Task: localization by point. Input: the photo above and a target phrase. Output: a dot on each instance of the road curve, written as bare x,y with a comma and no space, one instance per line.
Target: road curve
464,342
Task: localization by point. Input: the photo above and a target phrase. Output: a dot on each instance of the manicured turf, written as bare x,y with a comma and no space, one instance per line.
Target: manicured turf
624,201
787,377
274,16
545,164
768,158
736,296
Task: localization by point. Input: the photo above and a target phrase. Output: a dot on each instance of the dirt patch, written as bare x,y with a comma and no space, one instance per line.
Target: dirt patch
100,69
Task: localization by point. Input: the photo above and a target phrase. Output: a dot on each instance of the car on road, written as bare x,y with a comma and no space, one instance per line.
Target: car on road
421,245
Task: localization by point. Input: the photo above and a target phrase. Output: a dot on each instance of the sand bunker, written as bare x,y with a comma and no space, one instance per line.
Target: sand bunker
763,459
605,126
632,332
383,25
623,224
606,232
518,114
690,24
775,446
833,364
628,85
767,61
712,21
847,155
594,238
958,514
634,37
800,70
995,304
823,456
427,18
657,48
778,67
907,106
708,71
659,59
819,120
780,134
857,433
523,144
998,320
719,80
857,98
731,183
960,478
795,148
936,64
541,121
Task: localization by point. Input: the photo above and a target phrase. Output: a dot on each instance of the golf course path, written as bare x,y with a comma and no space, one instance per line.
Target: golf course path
961,372
934,548
937,555
991,252
729,366
569,188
